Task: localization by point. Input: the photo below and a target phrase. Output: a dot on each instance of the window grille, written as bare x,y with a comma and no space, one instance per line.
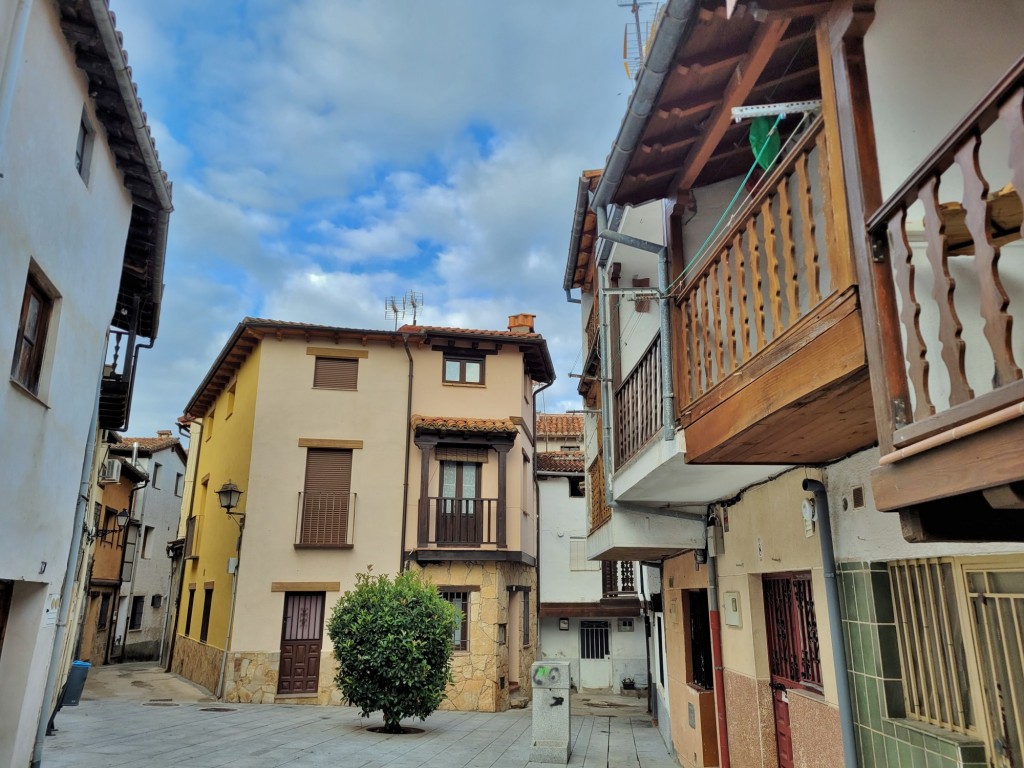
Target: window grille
792,630
460,600
594,640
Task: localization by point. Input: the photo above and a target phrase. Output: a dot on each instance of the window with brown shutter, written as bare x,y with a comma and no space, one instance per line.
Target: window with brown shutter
36,307
335,373
325,499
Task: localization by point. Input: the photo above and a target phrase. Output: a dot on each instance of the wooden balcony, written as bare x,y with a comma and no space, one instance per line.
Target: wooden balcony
638,405
462,522
953,395
325,520
770,357
617,579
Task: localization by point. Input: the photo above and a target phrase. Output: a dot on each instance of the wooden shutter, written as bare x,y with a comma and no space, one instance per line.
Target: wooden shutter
335,373
326,497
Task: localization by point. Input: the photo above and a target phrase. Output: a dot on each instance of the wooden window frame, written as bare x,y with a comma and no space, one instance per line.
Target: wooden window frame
140,601
462,360
526,617
344,371
189,609
28,372
103,619
309,535
459,466
83,147
204,627
698,640
462,594
803,635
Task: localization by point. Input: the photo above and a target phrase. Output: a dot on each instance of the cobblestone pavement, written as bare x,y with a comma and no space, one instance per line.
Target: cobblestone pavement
135,715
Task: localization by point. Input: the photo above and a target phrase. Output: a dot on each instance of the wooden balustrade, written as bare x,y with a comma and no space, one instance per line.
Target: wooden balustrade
638,405
771,267
962,239
600,512
592,328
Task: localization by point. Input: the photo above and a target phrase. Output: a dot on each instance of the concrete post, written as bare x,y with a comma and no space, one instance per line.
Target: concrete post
550,712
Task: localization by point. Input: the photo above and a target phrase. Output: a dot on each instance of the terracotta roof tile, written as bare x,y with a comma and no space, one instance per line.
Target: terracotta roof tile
150,444
559,424
462,424
470,331
566,461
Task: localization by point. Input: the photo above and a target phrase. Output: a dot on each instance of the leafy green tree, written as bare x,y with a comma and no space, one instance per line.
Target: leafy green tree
393,643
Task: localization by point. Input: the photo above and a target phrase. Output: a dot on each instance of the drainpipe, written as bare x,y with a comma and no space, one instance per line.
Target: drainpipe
231,609
536,501
606,386
191,509
138,547
715,622
9,78
402,562
667,394
68,587
835,621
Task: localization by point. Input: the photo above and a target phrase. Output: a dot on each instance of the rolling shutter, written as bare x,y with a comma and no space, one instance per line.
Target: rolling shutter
325,502
335,373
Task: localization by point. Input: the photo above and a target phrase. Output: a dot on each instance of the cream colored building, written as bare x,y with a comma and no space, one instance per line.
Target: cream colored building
359,449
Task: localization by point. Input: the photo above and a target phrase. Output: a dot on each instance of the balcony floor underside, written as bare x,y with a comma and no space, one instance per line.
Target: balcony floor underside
805,399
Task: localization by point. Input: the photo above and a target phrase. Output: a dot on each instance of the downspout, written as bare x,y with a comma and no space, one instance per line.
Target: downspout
191,509
667,394
536,500
606,386
138,547
231,609
402,563
8,82
68,588
715,623
835,621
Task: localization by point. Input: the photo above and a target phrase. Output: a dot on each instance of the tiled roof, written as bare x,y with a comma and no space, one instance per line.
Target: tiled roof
460,424
469,331
567,461
559,424
149,444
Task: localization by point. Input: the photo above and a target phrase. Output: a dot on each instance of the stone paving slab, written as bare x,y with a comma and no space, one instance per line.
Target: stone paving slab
114,729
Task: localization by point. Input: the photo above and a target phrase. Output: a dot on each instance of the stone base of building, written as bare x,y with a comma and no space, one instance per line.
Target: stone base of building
252,677
197,662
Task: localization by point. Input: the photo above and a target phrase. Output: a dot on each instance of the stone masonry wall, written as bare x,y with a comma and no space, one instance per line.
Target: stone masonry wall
197,662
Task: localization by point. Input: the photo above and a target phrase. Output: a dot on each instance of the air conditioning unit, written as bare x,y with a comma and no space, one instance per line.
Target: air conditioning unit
110,472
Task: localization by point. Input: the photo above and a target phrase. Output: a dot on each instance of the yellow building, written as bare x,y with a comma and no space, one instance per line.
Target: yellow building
359,449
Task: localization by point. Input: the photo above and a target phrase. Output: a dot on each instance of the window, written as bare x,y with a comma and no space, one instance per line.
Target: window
792,630
568,448
594,640
460,637
460,510
188,612
204,629
463,370
190,537
147,542
179,482
208,423
156,475
138,604
36,308
231,401
577,489
936,687
526,618
335,373
699,670
101,620
83,148
325,498
578,556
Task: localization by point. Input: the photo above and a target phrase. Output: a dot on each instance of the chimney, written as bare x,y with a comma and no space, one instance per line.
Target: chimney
163,433
521,323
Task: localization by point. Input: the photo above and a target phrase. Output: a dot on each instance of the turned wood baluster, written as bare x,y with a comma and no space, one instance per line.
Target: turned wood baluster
743,348
792,276
998,324
716,315
950,329
910,313
805,203
728,264
700,383
772,264
825,181
757,283
684,365
1012,113
705,326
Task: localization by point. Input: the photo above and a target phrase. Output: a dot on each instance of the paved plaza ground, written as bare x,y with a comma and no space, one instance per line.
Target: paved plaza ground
136,715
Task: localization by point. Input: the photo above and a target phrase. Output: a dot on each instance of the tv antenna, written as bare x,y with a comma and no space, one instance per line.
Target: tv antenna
398,306
637,34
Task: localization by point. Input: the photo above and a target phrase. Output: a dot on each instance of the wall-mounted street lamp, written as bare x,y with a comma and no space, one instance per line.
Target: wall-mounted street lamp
229,495
119,525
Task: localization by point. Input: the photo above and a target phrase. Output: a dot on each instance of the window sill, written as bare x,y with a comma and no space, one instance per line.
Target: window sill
324,546
28,393
462,384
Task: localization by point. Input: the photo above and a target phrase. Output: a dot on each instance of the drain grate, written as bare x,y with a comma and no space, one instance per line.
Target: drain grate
157,703
217,709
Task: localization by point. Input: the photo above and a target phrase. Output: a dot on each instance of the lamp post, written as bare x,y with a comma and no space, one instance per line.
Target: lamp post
229,495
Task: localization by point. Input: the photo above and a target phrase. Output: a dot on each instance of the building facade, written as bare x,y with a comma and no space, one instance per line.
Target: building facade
359,449
84,208
798,334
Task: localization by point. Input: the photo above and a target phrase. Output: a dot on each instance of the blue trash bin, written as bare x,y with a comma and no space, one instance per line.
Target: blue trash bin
76,683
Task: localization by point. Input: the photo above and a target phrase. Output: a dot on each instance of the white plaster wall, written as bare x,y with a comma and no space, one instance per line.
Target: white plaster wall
75,234
627,650
867,534
562,518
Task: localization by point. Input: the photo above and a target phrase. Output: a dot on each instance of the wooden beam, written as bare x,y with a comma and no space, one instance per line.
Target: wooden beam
318,442
305,586
740,85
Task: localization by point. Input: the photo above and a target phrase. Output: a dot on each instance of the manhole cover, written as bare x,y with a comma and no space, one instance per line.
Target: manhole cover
405,730
217,709
159,704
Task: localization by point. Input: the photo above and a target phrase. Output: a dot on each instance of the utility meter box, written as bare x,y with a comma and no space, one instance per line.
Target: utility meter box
551,681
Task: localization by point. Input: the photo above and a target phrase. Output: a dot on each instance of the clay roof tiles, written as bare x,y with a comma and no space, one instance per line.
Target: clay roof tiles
147,444
559,424
562,462
462,424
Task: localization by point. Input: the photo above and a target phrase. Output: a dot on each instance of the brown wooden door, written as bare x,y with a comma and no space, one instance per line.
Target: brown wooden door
301,642
783,733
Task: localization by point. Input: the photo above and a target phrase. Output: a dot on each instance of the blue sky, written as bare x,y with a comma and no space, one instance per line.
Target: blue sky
327,154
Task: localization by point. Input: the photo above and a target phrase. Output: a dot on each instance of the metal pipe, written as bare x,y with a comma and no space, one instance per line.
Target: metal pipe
198,446
569,297
231,607
667,391
408,450
715,623
606,386
9,75
835,621
85,482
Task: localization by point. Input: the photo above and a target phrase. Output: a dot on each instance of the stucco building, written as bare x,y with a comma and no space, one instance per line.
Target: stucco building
799,279
359,449
84,208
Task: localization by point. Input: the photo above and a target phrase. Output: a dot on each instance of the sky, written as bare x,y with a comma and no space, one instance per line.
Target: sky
327,154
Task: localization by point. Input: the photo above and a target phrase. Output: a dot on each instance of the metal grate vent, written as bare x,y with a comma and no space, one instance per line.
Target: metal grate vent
858,496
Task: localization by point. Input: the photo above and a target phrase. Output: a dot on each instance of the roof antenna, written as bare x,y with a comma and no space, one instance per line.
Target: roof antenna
413,299
394,307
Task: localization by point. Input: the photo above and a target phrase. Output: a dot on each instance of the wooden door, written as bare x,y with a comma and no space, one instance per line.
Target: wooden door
783,733
459,516
301,642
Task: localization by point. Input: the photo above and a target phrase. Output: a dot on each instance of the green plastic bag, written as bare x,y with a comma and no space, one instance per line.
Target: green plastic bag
761,135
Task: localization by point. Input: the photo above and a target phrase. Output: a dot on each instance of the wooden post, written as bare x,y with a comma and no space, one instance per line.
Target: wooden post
423,518
502,534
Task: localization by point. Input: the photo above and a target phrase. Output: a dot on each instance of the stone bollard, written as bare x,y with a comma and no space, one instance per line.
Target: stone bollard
550,712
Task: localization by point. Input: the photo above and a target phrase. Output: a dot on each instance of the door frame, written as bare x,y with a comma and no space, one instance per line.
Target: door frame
284,630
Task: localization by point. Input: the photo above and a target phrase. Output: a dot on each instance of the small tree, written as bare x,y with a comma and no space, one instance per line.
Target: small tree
393,643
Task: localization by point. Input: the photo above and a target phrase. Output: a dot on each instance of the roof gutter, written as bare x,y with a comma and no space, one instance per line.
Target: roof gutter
578,221
674,28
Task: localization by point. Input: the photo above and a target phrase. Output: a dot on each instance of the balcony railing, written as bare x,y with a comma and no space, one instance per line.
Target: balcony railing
592,328
617,578
773,266
462,522
600,513
325,520
956,336
638,405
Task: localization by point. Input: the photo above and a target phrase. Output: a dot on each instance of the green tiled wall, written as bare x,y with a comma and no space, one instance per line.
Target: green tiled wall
885,739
